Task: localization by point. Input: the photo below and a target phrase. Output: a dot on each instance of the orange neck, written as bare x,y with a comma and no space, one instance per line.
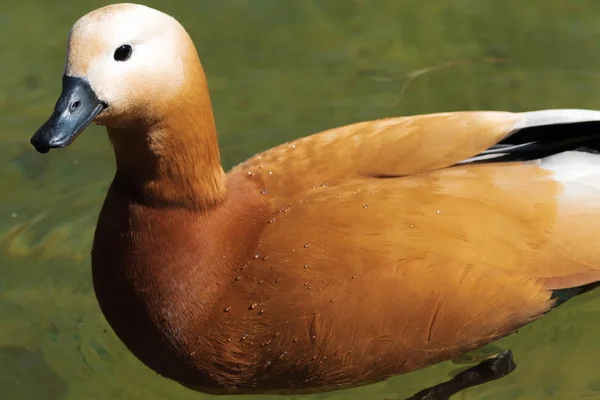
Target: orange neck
174,161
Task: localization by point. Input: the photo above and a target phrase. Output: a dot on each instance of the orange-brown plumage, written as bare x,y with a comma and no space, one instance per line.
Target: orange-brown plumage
338,259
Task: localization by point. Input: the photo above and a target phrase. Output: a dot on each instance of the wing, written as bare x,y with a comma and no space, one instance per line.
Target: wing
357,277
410,145
383,276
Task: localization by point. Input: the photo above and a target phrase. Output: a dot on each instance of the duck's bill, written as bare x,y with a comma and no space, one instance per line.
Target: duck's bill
76,108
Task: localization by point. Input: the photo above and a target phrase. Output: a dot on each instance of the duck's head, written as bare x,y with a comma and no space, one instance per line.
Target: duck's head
126,63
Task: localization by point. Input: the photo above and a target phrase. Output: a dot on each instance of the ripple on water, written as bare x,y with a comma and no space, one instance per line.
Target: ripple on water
21,372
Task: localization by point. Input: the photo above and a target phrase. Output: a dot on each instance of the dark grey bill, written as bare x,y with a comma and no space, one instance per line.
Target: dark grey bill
76,108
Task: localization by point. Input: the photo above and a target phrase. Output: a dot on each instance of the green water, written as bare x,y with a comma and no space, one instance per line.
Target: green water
277,70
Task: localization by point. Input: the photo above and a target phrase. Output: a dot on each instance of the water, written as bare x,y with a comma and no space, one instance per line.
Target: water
277,70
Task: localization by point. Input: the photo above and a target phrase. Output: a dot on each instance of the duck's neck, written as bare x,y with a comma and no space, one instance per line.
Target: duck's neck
174,161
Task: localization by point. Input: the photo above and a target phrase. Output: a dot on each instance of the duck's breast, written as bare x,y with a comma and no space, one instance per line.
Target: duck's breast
158,273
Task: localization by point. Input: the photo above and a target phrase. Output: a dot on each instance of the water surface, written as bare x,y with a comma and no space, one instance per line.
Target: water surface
277,70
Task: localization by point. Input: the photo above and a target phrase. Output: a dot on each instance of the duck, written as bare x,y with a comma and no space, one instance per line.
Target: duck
339,259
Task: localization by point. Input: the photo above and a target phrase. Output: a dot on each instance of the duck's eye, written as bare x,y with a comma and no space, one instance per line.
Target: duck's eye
123,53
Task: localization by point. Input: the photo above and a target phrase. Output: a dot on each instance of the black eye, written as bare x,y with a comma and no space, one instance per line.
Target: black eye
123,53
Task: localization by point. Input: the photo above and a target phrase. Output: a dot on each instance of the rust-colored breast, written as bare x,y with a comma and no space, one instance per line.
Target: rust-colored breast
158,273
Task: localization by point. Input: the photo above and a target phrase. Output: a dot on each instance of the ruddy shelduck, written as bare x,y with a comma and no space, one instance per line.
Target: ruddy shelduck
338,259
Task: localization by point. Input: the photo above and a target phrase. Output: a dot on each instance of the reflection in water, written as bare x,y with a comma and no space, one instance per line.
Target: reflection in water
277,70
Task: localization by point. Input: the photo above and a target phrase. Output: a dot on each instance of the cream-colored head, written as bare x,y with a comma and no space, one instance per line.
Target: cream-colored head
131,84
136,70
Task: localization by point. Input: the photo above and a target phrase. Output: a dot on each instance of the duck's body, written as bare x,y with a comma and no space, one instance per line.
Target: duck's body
312,273
342,258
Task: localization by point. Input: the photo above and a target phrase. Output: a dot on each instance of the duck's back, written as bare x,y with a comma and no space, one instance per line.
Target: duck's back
363,275
361,281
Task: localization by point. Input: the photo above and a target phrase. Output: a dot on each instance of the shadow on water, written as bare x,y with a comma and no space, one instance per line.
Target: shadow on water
277,70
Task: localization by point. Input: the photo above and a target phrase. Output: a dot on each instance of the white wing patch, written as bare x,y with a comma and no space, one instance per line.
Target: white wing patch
531,119
579,173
